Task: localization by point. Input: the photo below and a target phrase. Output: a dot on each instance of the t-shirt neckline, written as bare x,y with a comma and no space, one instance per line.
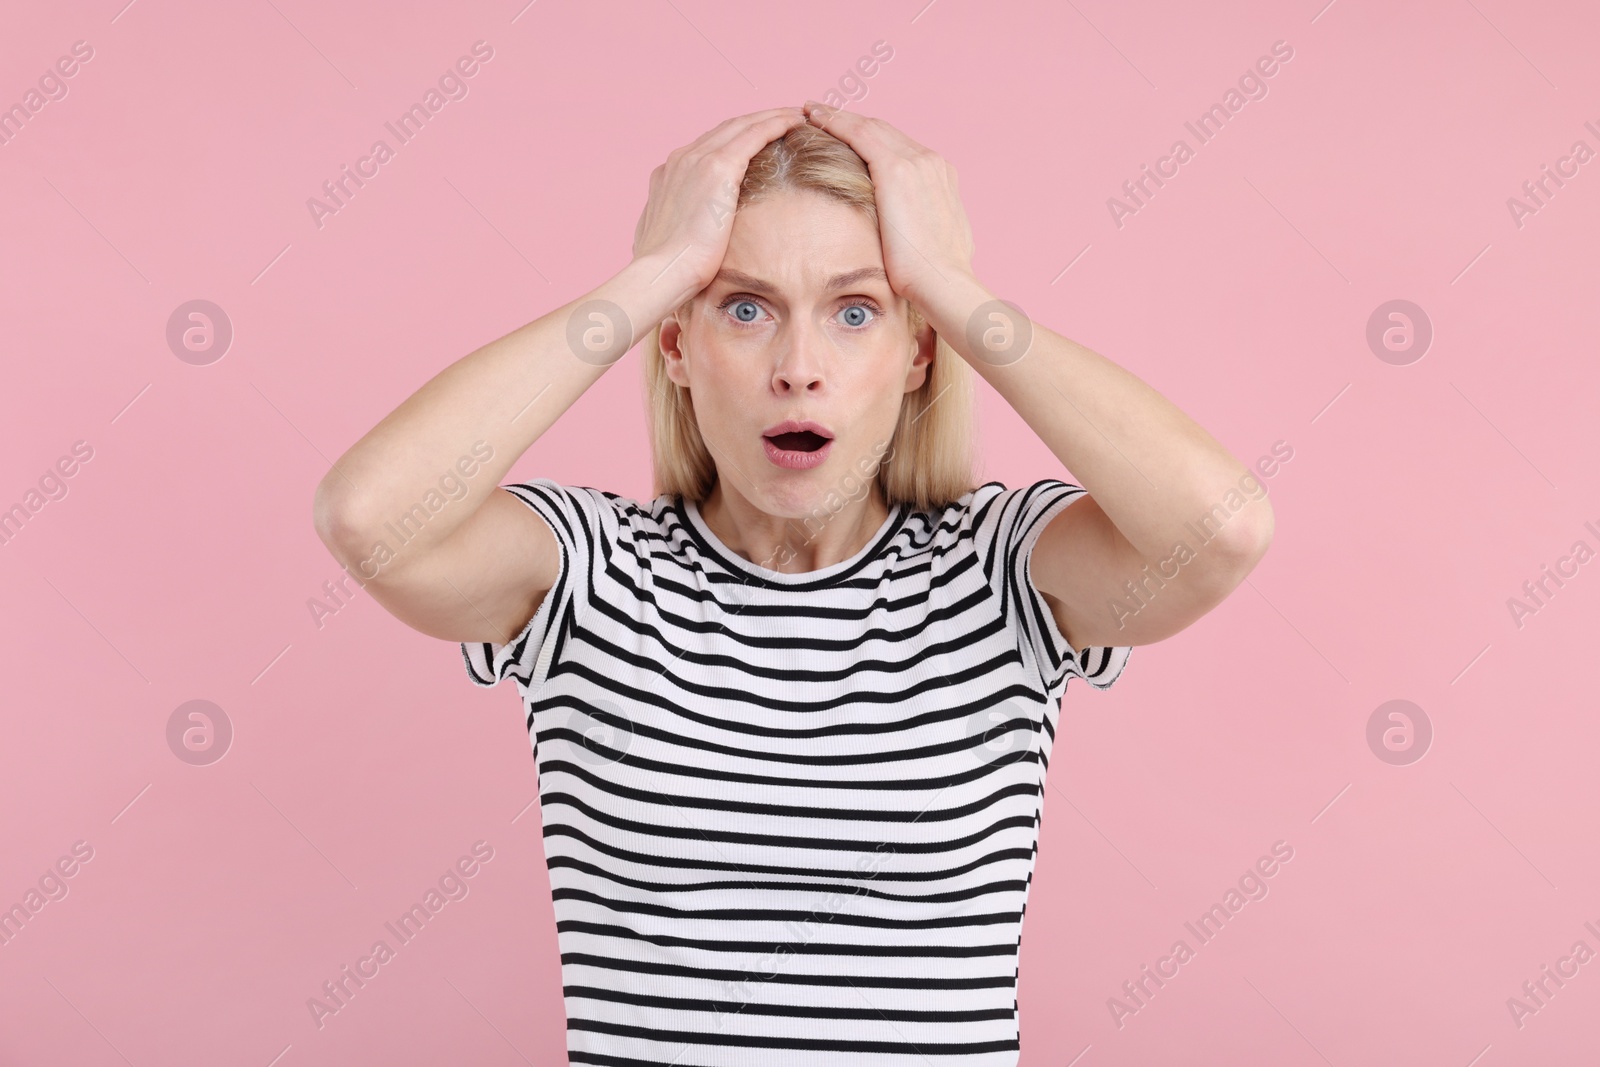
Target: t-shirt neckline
733,561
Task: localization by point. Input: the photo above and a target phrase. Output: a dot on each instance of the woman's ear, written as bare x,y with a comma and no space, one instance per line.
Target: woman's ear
924,344
672,350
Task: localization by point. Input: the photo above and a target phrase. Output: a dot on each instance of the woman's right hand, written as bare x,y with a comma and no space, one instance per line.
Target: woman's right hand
686,220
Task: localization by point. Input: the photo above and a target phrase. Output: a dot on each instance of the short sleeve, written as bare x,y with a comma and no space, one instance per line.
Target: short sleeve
1018,516
573,514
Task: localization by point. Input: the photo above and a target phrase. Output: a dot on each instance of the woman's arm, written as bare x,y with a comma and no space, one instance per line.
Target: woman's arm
469,569
1156,479
474,565
1151,471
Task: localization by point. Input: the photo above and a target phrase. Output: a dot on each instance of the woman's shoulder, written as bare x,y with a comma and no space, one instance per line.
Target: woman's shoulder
592,514
995,496
583,495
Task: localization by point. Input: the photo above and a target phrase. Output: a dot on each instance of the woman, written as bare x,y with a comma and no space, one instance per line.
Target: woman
792,718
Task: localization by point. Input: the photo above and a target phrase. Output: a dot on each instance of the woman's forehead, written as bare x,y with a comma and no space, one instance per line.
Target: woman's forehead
817,226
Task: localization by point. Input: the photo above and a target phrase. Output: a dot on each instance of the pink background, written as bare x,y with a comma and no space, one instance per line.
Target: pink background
1419,498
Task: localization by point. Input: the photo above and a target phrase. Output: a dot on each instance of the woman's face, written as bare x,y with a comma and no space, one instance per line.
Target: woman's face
800,324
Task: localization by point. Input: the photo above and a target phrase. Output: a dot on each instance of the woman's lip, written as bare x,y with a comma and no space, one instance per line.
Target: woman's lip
795,459
797,426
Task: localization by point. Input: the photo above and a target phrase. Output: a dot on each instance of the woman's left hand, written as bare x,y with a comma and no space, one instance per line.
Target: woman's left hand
927,241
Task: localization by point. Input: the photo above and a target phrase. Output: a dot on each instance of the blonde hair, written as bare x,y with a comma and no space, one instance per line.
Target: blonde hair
928,460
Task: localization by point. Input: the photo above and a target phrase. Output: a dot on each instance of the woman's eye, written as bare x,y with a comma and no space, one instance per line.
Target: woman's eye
745,310
856,314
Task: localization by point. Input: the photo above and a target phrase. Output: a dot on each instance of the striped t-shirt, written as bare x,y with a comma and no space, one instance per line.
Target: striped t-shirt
790,819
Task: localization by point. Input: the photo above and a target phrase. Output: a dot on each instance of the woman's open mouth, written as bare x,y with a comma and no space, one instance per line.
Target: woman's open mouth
797,445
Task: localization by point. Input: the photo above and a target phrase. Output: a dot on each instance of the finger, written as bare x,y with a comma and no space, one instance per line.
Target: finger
719,133
746,129
868,136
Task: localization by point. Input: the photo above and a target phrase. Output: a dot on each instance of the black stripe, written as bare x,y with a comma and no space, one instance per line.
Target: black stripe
791,1011
797,811
686,770
789,915
623,933
719,974
1010,885
904,1048
941,874
556,799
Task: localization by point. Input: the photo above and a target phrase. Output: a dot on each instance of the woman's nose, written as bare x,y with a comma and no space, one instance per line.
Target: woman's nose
800,361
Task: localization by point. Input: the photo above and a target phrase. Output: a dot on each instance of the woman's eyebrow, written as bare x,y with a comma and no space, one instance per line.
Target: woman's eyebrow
839,281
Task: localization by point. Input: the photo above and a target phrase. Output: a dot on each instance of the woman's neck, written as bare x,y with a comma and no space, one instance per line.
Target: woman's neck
810,541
